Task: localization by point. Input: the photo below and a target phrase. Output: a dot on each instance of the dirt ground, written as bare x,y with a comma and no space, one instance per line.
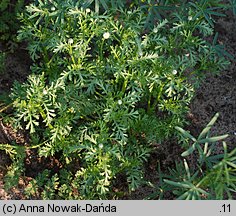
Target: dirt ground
216,94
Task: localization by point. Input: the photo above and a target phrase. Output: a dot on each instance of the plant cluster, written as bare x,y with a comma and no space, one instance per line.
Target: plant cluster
214,175
106,85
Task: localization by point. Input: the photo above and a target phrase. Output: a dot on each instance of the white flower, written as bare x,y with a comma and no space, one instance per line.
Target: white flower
187,54
155,30
70,41
45,92
106,35
53,8
100,145
174,72
119,102
190,18
88,10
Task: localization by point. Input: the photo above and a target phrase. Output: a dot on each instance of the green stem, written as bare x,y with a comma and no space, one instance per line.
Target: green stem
124,85
158,96
101,49
72,57
6,107
45,55
149,104
42,113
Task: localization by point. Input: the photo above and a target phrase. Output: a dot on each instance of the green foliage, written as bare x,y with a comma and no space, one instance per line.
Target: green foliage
8,19
44,186
203,138
233,6
159,10
103,88
215,176
17,167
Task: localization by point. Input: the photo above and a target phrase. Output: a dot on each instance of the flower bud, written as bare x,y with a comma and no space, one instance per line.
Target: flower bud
70,41
106,35
174,72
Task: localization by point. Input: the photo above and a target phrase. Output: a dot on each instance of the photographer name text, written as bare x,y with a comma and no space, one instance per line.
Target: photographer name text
53,208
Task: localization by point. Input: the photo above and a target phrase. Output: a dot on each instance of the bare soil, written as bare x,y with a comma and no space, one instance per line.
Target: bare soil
216,94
